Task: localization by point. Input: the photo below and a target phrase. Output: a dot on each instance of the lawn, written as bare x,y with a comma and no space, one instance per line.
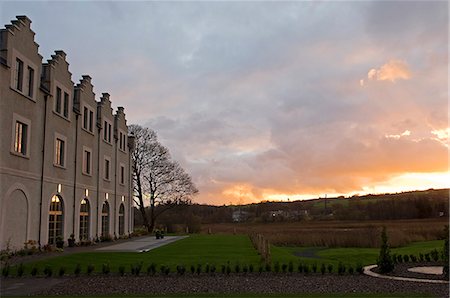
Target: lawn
219,250
348,256
194,250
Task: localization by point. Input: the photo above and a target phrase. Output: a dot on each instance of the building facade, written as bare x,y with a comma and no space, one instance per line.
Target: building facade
65,162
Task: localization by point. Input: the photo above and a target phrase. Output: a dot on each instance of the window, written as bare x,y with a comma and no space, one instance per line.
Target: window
105,220
55,219
122,141
30,81
122,174
121,220
107,168
84,220
60,152
88,119
18,78
20,138
62,101
58,100
87,161
107,131
66,105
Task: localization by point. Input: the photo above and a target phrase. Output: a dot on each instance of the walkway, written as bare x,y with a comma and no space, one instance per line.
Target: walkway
368,271
141,245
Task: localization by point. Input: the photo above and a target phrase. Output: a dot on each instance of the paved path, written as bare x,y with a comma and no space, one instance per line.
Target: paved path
368,271
141,245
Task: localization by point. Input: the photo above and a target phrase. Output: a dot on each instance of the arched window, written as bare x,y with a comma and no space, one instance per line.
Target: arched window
55,219
105,219
84,220
121,220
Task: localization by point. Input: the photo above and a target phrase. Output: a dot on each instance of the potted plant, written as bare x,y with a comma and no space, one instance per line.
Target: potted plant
71,240
59,242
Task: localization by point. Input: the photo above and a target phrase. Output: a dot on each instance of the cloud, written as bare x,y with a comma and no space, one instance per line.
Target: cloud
391,71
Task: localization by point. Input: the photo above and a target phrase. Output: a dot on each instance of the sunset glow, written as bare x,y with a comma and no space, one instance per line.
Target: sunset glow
272,101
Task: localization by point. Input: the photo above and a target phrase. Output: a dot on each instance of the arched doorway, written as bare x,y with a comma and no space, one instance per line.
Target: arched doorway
84,220
121,220
105,219
55,219
15,220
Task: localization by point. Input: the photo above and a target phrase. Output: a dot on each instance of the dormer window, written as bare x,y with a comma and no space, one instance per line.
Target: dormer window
62,101
23,78
18,78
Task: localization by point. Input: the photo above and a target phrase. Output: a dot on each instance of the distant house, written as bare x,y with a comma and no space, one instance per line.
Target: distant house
240,216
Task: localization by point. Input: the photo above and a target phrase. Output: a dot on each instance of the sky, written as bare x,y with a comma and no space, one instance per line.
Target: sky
270,100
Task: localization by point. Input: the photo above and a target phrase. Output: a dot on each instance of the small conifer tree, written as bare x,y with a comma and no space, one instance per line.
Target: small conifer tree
385,261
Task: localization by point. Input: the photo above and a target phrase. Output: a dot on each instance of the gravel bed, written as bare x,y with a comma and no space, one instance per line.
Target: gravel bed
238,283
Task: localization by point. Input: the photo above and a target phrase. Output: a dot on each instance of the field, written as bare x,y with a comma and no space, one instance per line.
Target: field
338,233
218,250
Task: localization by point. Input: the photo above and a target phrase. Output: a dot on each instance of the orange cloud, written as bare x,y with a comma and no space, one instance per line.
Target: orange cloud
391,71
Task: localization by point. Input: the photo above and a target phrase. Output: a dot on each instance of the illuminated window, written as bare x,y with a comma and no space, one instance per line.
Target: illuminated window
21,137
84,220
55,219
121,220
60,152
105,219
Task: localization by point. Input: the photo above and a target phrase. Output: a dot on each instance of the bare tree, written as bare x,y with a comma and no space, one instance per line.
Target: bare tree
157,178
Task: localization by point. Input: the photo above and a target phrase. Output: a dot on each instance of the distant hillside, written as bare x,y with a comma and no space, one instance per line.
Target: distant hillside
430,203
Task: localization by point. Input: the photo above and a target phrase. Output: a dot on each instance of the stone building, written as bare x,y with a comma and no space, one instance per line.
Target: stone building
65,157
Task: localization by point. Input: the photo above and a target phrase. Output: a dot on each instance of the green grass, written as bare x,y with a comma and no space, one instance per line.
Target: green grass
218,250
196,249
349,256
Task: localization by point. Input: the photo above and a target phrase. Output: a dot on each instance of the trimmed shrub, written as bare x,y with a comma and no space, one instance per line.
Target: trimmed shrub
34,271
106,269
323,269
207,268
405,258
151,269
5,270
306,269
48,271
385,262
20,270
245,269
421,257
359,268
399,259
434,255
314,267
213,269
237,268
181,270
350,270
136,269
122,270
90,269
223,269
199,269
300,268
428,257
260,269
192,269
77,269
341,268
162,269
228,269
413,258
276,267
250,268
268,267
291,267
284,267
330,268
62,271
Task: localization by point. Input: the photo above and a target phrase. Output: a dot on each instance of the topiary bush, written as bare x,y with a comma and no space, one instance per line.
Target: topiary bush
284,267
90,269
330,268
122,270
20,270
314,267
250,268
34,271
237,268
385,262
291,267
359,268
434,255
300,268
151,269
323,269
341,268
192,269
77,269
105,268
62,271
48,271
276,267
405,258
